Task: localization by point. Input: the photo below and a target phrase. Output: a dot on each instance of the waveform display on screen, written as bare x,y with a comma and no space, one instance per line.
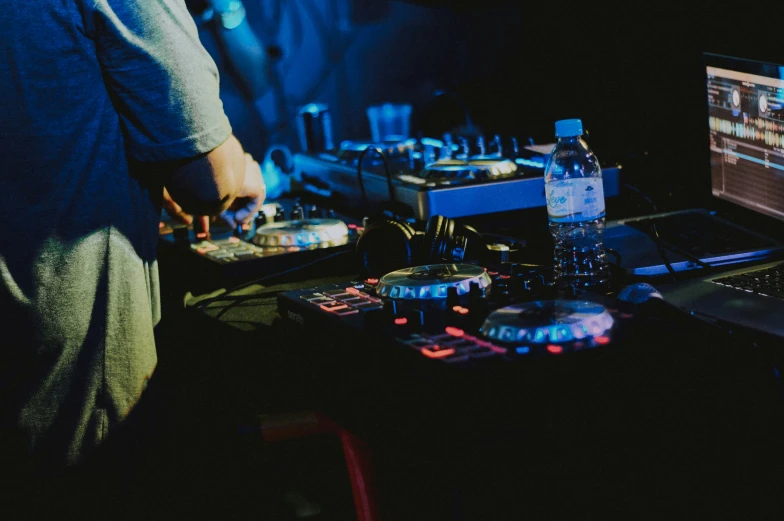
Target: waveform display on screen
766,124
757,129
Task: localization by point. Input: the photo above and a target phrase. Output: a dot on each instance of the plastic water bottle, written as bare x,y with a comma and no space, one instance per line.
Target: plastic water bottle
575,207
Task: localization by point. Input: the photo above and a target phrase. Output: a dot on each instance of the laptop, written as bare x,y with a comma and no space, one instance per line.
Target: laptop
745,127
739,184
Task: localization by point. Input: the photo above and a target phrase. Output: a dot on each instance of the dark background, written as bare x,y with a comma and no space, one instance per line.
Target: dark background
632,74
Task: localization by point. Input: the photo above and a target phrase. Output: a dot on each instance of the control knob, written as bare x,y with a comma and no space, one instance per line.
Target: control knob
260,220
496,147
481,150
297,211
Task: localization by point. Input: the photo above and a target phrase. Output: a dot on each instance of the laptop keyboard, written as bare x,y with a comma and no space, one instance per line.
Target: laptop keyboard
699,235
768,281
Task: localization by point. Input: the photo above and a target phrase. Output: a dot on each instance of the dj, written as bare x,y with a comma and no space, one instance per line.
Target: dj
105,103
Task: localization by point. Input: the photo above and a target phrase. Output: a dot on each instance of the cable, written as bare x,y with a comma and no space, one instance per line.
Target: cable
359,178
654,229
378,151
240,300
643,195
392,202
203,305
224,295
660,248
392,205
614,254
233,298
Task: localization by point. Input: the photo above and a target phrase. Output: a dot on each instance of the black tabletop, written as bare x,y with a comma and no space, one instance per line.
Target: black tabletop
676,418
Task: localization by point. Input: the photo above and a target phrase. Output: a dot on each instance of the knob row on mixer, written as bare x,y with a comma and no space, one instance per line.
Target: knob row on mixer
427,150
274,212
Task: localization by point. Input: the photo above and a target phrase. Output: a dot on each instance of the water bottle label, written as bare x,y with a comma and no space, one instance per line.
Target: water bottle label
575,200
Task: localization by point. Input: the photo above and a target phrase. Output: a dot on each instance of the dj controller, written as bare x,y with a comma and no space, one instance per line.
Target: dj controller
460,315
287,234
454,178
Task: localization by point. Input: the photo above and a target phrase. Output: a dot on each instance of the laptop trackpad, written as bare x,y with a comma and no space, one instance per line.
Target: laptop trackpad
732,305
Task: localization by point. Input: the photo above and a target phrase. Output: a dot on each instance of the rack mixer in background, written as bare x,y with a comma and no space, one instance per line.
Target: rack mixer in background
286,234
463,177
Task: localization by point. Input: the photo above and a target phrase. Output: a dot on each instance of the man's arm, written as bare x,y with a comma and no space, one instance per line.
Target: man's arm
207,176
164,86
209,183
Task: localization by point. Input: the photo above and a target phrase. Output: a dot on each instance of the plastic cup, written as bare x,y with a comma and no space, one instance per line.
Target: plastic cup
389,121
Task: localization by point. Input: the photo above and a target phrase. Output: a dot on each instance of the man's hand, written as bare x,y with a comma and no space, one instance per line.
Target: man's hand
176,212
251,196
244,207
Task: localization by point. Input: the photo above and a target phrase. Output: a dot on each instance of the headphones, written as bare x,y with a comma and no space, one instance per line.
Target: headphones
390,245
284,153
275,175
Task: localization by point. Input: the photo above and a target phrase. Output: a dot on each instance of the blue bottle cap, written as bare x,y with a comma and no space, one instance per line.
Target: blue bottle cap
568,127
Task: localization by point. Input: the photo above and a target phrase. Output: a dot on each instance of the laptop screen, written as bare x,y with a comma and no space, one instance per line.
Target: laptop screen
746,121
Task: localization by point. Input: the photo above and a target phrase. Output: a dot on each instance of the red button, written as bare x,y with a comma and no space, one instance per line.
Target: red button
454,331
438,353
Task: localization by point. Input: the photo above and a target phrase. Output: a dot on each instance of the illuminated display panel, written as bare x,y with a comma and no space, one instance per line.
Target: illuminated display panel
746,122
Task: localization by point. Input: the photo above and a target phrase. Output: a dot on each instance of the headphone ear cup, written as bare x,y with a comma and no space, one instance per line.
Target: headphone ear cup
288,158
387,246
476,245
438,234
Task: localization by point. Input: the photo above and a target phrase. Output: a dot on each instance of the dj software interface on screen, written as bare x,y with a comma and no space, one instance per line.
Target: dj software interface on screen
746,118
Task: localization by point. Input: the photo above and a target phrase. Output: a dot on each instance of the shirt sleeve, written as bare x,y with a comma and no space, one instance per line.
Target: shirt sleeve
162,81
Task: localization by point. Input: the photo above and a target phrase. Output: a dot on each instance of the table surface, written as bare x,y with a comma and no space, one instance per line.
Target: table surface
692,424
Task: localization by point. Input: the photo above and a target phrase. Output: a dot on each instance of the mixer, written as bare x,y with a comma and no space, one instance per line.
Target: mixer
451,177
